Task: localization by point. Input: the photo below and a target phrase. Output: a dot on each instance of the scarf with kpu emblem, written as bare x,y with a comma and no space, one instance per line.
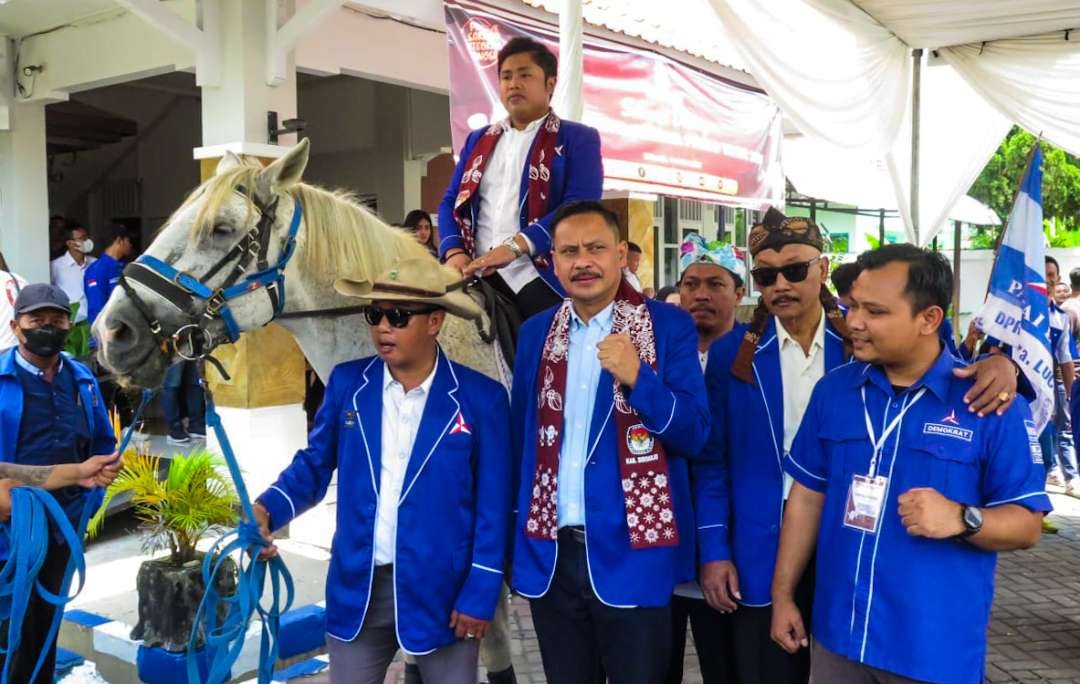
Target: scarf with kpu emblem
643,468
540,160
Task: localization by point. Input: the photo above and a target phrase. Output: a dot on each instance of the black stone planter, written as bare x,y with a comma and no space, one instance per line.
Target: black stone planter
169,597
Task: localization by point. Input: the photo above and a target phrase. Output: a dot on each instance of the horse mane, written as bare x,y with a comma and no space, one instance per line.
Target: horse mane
340,237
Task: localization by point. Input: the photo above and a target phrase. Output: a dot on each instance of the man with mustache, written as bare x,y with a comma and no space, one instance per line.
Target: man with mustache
496,216
608,407
711,286
759,385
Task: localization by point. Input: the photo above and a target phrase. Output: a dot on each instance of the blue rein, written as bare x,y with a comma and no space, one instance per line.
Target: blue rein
225,641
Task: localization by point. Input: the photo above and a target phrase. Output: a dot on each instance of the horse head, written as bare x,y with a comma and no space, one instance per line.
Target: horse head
216,269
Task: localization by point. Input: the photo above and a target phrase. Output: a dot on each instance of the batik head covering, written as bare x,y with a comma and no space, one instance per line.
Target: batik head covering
696,249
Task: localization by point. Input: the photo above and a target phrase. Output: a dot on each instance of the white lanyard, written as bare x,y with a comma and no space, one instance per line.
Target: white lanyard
879,444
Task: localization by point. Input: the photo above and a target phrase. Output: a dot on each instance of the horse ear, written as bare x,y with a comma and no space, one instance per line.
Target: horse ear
287,170
227,163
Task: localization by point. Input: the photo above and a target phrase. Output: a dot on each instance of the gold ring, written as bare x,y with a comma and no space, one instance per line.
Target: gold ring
1003,396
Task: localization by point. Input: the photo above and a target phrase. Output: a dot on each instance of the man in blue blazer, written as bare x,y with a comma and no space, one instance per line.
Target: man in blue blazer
511,176
422,451
759,383
608,407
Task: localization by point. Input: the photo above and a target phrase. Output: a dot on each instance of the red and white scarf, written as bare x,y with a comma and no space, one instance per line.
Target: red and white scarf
643,468
540,159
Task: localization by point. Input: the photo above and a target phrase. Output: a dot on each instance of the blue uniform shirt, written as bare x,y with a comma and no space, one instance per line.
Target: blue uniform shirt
98,281
53,429
582,378
909,605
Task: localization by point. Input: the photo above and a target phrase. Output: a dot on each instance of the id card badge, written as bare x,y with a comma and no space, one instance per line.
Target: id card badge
866,498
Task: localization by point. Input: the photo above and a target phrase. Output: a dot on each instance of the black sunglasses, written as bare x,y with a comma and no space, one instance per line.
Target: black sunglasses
793,273
396,317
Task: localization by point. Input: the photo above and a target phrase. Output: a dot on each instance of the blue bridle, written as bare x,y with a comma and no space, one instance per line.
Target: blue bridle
195,339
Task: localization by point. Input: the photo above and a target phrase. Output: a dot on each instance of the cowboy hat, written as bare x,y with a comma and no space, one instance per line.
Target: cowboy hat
416,280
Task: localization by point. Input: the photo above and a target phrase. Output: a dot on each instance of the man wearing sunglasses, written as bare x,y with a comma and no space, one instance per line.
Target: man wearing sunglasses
759,384
421,447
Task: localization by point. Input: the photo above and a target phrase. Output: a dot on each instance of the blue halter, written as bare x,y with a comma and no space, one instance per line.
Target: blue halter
184,291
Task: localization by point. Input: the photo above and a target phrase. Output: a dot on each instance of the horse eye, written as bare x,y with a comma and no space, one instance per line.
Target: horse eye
222,229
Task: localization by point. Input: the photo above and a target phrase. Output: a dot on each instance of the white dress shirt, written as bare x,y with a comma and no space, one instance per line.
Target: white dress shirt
401,413
499,215
632,278
67,274
800,371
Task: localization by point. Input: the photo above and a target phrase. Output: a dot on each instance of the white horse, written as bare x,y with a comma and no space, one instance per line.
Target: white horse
337,237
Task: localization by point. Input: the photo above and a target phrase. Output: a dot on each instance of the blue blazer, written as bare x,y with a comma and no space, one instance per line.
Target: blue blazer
453,512
739,485
671,404
577,173
102,439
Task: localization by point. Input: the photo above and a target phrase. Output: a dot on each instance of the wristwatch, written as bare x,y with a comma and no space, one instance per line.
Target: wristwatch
513,245
973,521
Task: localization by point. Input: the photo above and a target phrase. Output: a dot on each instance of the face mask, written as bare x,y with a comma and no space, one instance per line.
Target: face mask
86,246
48,340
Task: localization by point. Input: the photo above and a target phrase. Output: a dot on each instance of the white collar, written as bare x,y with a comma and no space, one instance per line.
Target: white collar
424,387
533,125
783,336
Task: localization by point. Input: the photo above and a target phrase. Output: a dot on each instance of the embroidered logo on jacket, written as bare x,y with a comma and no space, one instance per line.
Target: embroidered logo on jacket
953,431
460,425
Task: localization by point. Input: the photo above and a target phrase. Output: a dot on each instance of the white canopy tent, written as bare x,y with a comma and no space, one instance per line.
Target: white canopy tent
927,88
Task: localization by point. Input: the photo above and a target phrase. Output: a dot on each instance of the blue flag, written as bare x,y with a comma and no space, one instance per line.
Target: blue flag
1016,311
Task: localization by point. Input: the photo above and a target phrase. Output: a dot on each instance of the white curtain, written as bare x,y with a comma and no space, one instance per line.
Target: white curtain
834,71
959,132
1033,81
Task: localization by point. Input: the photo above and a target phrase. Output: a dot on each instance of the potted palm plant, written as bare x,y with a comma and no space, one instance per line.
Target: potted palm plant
175,511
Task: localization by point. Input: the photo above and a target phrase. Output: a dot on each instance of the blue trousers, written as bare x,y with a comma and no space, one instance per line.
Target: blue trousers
181,395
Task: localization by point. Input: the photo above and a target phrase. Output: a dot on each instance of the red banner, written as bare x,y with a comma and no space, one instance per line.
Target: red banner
665,127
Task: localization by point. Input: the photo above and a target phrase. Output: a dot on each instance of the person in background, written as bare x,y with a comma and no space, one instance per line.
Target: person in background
418,222
842,277
710,287
495,218
67,272
1058,448
669,294
53,413
10,286
908,509
1071,304
102,276
182,397
633,262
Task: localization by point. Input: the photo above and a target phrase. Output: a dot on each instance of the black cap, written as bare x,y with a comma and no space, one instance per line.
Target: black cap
41,296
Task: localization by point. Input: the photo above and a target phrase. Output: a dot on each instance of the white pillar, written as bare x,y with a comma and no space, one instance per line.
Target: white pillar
568,101
24,192
234,110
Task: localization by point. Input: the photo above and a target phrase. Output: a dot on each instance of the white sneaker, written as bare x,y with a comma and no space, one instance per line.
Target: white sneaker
1072,489
1055,479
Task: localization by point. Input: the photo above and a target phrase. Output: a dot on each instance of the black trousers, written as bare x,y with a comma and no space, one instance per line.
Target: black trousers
535,297
36,624
760,660
714,641
582,640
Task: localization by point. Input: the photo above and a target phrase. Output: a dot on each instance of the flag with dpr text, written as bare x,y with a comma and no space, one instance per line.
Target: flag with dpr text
1016,309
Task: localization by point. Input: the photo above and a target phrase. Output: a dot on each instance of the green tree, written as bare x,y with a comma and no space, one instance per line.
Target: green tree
996,185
